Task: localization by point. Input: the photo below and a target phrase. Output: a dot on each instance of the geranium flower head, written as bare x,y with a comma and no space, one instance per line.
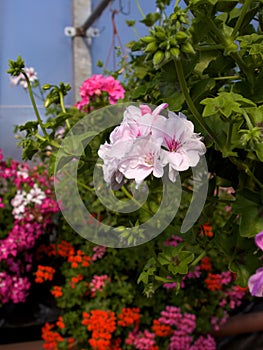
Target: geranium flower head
145,142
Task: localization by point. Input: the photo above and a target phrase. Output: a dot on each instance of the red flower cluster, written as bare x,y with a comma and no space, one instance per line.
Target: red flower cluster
214,281
52,338
160,329
44,273
79,259
206,230
206,264
102,324
128,317
57,291
75,280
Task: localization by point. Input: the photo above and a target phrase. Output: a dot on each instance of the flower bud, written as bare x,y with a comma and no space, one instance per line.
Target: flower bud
175,52
147,39
187,48
181,36
158,57
46,86
151,47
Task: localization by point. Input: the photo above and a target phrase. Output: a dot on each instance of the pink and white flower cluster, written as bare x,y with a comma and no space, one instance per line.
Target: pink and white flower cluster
146,142
96,85
27,207
21,80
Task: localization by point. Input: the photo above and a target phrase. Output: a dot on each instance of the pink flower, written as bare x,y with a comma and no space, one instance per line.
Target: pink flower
255,282
259,240
98,283
2,205
145,142
95,85
99,252
142,160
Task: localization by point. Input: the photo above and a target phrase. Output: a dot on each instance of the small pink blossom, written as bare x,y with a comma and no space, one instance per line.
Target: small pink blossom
21,80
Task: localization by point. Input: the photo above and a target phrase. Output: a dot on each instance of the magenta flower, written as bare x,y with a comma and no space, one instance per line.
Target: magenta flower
259,240
96,85
255,282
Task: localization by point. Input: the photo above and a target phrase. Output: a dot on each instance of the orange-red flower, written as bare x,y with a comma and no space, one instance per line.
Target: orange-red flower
50,337
44,273
161,330
206,264
128,317
214,281
79,259
206,230
60,323
75,280
63,249
102,324
56,291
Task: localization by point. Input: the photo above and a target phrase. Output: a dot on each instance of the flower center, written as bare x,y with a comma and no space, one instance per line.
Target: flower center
149,159
172,145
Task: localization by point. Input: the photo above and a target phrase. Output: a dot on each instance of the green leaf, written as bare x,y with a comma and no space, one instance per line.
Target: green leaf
242,273
250,210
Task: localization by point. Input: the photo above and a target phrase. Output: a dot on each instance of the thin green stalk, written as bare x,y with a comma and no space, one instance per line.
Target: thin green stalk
209,47
51,142
246,169
40,137
177,3
201,256
227,42
228,77
128,195
241,18
79,183
62,104
196,114
34,104
229,135
139,8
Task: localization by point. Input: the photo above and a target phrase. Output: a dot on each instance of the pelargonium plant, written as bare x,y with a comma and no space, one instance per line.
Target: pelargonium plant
27,209
204,60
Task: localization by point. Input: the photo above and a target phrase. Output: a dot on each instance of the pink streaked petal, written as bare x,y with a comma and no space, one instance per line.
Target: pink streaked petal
255,283
145,109
158,109
259,240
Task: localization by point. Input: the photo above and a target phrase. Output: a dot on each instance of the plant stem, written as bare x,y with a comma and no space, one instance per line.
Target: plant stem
228,77
62,104
34,104
200,256
139,8
241,18
196,114
128,195
249,123
246,169
227,42
229,135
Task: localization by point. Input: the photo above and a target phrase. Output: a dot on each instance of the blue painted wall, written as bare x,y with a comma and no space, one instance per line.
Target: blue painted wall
35,30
